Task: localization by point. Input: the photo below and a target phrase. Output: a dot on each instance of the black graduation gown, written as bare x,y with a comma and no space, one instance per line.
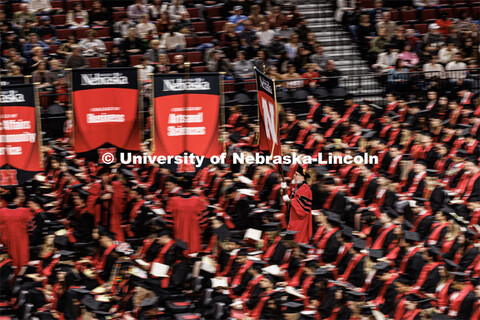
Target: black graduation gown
278,254
430,284
423,228
331,249
82,223
437,199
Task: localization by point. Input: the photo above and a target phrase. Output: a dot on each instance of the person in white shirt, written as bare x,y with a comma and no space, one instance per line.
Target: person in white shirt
92,46
265,34
145,69
433,69
386,60
425,3
446,54
39,6
173,41
456,70
175,10
145,26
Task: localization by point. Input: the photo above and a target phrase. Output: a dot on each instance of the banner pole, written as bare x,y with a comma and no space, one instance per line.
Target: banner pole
258,110
140,105
152,114
27,78
39,122
222,110
185,101
277,120
70,105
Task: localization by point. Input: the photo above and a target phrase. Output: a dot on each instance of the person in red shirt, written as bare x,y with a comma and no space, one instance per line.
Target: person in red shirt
444,23
310,76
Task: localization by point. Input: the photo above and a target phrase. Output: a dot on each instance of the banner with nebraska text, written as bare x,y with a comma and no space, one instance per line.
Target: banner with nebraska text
268,117
186,114
10,80
20,140
106,112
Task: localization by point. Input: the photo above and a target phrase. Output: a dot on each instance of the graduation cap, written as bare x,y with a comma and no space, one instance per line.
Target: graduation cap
103,231
434,251
293,307
432,173
358,244
421,162
127,174
222,233
375,253
460,276
391,213
235,137
411,236
163,232
181,245
347,233
103,169
461,153
419,201
271,226
269,277
451,265
309,263
61,242
382,266
356,295
305,247
288,234
333,217
66,255
258,265
369,134
303,172
242,252
308,314
149,303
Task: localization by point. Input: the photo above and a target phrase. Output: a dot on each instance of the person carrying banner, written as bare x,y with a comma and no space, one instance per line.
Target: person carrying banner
299,206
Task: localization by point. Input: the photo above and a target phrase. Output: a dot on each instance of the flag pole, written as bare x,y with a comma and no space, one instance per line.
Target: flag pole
222,112
258,109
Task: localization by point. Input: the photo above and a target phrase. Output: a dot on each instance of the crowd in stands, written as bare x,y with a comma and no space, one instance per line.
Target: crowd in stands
421,38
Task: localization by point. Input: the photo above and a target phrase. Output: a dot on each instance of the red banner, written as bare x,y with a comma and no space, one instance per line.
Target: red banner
105,108
186,114
269,118
20,142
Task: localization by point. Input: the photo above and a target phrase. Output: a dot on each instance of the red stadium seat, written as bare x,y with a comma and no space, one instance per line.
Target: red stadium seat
194,12
228,86
103,32
200,26
476,11
214,12
87,4
171,55
64,33
445,2
367,3
117,15
421,28
95,62
16,7
448,11
195,56
206,39
395,15
190,41
57,4
81,33
59,19
135,59
409,15
53,48
199,69
108,45
428,14
250,85
218,25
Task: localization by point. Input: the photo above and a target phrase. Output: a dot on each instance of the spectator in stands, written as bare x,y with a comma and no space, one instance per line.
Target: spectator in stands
330,76
120,28
10,41
434,38
184,25
40,6
378,44
256,17
363,33
285,32
272,73
276,47
99,15
163,22
301,59
420,4
397,77
136,11
310,75
302,30
154,51
238,19
132,43
387,24
156,8
56,68
35,59
276,18
454,36
178,64
376,14
386,60
265,34
66,48
15,71
145,69
47,32
77,18
43,76
409,58
456,70
145,27
464,21
319,58
218,62
75,59
413,40
92,46
20,17
433,69
444,23
292,46
427,53
468,50
261,60
343,6
242,68
173,41
228,35
27,29
252,50
292,74
33,42
311,42
163,65
116,58
176,9
249,33
14,58
293,16
446,54
399,38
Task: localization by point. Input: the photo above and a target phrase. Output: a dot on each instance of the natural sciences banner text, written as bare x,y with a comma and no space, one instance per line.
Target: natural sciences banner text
269,127
106,112
19,135
186,114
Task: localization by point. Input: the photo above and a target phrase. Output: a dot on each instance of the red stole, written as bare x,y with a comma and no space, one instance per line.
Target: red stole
424,274
385,130
271,249
161,255
420,219
318,234
380,299
257,311
410,254
393,165
425,151
323,243
295,281
311,113
454,306
440,164
351,266
103,261
435,235
378,244
470,185
302,134
251,284
331,196
416,181
442,295
391,106
238,277
349,111
471,148
364,187
393,136
331,130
